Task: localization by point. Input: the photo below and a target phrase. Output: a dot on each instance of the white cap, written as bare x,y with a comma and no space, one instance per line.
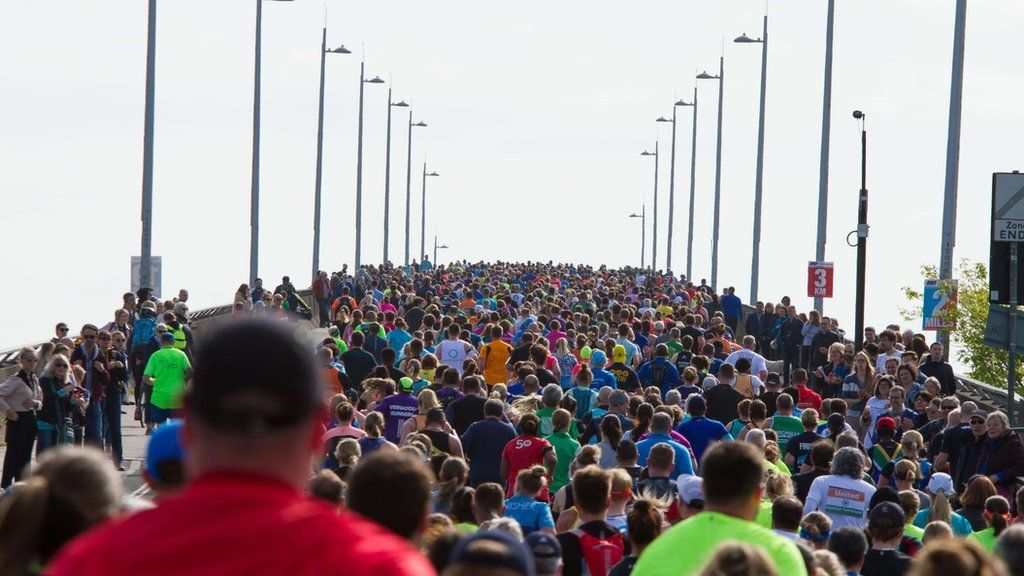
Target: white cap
690,488
709,382
941,481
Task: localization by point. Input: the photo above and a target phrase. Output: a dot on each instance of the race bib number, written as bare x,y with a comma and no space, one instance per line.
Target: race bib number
844,502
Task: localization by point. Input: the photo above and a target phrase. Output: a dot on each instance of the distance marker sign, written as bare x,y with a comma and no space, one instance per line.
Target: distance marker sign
819,279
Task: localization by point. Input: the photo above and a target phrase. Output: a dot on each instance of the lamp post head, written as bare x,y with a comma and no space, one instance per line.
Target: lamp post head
433,174
420,124
744,39
683,103
646,153
374,80
858,114
705,76
400,104
442,247
340,50
663,119
635,215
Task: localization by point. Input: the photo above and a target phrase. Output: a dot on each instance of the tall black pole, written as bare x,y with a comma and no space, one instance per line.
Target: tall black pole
146,254
862,236
319,158
254,201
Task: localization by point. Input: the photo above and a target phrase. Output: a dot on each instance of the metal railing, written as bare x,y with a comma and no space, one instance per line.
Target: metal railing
988,397
197,319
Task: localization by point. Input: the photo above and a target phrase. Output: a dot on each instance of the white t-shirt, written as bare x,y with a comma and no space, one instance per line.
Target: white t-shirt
757,362
843,499
454,352
882,358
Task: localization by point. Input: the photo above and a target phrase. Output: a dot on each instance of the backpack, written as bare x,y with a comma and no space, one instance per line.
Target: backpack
600,555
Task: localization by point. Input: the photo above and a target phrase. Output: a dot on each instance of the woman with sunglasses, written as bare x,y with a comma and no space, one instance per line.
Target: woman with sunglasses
20,397
56,384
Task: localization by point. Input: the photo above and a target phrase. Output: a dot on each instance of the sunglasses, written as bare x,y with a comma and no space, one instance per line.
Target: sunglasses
89,336
104,338
948,407
29,358
62,329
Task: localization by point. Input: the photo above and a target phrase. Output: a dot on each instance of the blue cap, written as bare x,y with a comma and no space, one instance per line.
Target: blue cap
598,358
167,338
164,445
515,558
547,552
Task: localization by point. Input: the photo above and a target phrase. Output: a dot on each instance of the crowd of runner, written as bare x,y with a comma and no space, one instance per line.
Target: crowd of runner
500,419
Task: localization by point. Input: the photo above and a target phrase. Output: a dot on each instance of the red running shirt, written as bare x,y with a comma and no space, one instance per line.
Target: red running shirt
237,524
523,452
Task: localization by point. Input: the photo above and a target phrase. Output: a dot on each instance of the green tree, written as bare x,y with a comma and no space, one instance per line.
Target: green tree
984,363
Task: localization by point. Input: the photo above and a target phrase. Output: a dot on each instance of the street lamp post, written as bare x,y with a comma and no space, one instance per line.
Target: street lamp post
862,233
643,234
254,202
359,163
693,187
423,211
387,175
826,127
956,96
671,183
718,170
755,262
654,233
320,148
436,248
408,184
146,251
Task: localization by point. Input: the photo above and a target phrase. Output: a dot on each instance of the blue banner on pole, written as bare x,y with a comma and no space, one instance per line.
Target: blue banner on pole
939,305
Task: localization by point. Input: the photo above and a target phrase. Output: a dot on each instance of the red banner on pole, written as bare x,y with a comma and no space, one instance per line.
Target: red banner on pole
819,279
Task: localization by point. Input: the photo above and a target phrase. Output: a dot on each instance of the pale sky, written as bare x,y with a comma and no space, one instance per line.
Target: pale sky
538,112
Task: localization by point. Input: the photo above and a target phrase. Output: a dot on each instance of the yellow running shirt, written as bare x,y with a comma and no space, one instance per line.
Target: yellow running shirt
687,546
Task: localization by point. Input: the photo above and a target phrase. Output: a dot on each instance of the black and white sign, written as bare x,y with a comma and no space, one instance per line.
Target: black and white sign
1008,207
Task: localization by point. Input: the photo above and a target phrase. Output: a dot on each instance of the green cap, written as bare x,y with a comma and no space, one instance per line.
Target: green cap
405,384
585,352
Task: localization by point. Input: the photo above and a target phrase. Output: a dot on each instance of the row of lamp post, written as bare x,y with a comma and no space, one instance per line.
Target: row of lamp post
145,278
758,187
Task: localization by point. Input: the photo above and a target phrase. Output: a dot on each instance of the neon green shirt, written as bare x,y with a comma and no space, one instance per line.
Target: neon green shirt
986,538
764,514
565,450
687,546
913,531
167,367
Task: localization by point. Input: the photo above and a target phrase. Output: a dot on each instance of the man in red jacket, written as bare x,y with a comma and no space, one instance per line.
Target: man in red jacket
252,425
808,398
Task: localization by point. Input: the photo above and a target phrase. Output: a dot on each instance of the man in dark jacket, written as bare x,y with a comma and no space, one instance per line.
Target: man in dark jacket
935,367
91,358
792,341
722,399
820,343
752,325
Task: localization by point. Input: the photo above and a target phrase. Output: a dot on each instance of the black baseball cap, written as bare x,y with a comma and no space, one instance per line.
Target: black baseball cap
251,377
